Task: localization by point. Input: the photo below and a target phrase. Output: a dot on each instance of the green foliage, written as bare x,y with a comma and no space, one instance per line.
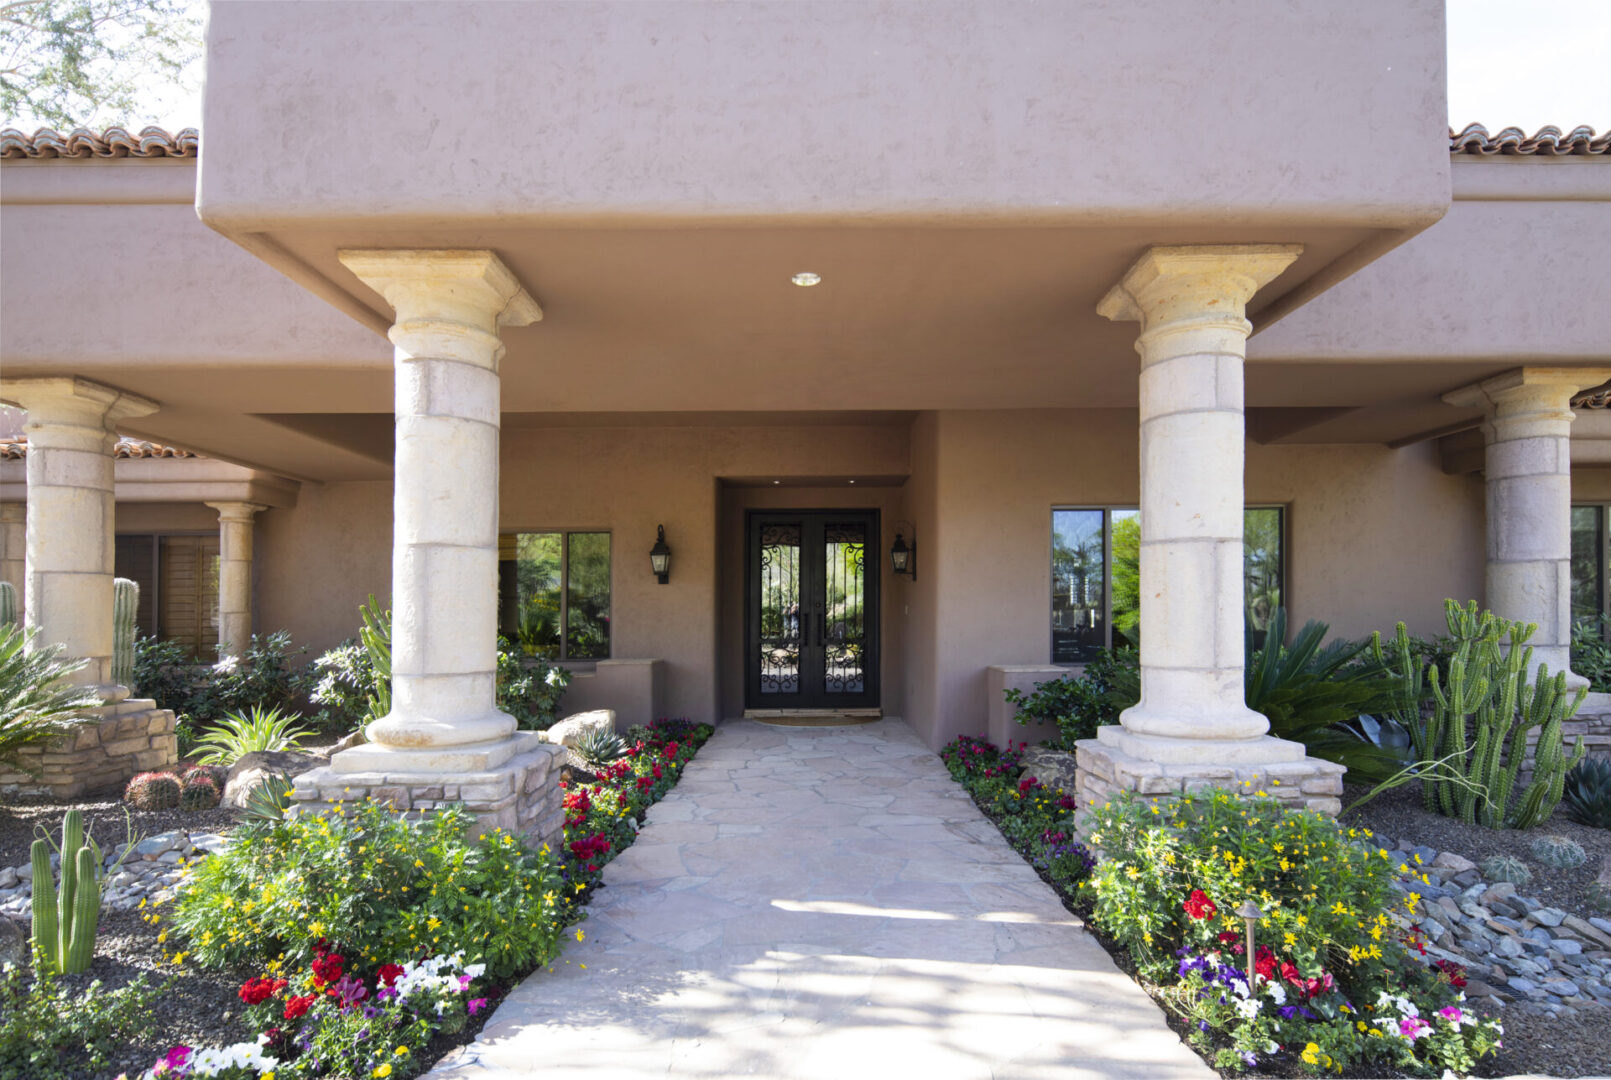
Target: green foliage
125,603
1591,652
36,703
1506,868
1078,705
81,63
379,886
243,733
352,683
267,803
1486,694
8,604
530,689
376,634
1126,579
1587,793
65,919
52,1032
262,676
598,748
1560,852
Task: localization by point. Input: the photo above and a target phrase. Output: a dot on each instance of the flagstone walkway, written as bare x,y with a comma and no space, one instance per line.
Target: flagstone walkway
825,903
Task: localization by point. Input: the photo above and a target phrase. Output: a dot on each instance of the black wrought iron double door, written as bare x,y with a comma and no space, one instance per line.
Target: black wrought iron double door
811,609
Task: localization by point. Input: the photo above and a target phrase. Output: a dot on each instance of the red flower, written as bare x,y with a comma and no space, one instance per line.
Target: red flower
1453,972
257,991
1027,784
327,967
1066,802
389,974
1290,974
1264,963
1229,937
671,749
299,1005
1199,906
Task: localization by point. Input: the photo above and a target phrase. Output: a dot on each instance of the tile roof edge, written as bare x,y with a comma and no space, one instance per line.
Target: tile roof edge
15,448
84,144
1548,141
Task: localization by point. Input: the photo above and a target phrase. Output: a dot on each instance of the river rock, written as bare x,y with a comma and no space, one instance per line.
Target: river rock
1053,768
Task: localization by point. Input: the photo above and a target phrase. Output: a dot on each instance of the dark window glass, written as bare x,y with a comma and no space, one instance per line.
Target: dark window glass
1588,564
1261,547
554,594
587,625
1079,606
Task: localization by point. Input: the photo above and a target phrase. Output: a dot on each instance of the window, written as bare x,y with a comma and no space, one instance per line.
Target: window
1096,577
178,578
554,593
1589,547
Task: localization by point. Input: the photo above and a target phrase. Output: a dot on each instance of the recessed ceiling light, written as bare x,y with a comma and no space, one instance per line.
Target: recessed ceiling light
853,481
776,482
805,279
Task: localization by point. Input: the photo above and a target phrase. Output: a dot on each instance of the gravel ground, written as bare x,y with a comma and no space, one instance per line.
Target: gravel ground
1398,814
20,820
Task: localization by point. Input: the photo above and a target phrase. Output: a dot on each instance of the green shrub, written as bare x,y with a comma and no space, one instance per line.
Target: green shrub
51,1032
1079,704
377,885
1591,652
344,679
36,705
1587,793
262,676
240,734
530,689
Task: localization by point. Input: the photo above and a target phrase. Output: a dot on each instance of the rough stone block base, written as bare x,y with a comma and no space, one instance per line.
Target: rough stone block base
520,795
1303,783
121,739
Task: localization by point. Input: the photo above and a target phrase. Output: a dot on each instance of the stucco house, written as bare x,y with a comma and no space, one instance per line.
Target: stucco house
807,292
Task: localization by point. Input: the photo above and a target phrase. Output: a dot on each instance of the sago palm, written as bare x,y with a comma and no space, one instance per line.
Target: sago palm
36,700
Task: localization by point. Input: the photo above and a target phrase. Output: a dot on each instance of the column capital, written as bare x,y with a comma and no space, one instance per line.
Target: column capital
67,399
1175,282
237,511
468,286
1529,391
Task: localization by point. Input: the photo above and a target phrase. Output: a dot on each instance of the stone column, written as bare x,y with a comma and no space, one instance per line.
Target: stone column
1528,470
71,429
1192,725
445,738
235,575
13,547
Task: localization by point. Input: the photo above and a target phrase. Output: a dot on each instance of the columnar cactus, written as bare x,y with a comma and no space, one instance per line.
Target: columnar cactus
1561,852
125,601
65,919
8,604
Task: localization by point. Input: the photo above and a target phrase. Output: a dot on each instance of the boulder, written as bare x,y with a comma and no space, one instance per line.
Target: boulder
1053,768
569,731
1448,860
347,742
249,773
13,942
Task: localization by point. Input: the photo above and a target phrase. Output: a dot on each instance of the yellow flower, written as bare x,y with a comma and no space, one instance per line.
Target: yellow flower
579,935
384,1069
400,1051
1311,1054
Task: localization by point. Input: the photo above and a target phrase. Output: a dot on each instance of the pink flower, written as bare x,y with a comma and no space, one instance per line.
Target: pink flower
477,1004
1451,1013
1413,1027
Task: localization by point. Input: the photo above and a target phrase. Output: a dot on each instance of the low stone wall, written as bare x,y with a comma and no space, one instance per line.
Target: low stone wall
100,755
1593,723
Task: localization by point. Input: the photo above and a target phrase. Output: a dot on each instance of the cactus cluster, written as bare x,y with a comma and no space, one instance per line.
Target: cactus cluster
8,604
1587,793
125,602
1561,852
194,787
65,919
1472,747
1507,868
198,789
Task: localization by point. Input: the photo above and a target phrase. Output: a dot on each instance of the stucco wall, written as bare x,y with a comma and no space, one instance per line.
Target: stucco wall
315,564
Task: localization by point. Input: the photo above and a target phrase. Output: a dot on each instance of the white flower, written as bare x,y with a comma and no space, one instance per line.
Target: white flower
1248,1008
475,971
552,678
1277,993
227,665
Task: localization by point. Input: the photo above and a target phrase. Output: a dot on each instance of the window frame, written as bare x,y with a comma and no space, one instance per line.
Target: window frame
1283,542
565,589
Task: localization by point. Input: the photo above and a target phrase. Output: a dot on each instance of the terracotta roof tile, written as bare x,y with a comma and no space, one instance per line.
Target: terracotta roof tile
1547,142
15,448
1593,399
114,142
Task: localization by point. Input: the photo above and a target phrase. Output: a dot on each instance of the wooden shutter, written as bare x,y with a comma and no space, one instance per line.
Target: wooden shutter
136,560
189,600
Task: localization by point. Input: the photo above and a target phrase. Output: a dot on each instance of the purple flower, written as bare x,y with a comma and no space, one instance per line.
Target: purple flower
385,993
351,990
477,1004
464,983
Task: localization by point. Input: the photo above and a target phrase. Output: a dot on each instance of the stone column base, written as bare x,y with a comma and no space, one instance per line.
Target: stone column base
127,737
518,791
1108,765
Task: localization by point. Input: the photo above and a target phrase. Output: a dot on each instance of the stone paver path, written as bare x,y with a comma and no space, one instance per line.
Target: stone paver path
825,903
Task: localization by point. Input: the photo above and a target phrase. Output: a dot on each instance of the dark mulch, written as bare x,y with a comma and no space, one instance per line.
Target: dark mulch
1534,1044
20,821
1398,814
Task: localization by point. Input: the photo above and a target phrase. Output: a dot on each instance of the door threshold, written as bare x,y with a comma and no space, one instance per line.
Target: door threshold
764,714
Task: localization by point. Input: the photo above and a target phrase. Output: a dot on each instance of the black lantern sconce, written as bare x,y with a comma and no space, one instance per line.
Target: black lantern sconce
660,556
903,556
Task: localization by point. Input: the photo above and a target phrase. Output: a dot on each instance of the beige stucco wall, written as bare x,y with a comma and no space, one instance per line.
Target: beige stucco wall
315,564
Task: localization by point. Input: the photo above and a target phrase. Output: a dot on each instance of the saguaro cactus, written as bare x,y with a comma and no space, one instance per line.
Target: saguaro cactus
125,600
8,604
65,919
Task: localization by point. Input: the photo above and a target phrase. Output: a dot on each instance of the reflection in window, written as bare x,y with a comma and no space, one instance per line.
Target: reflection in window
554,593
1588,563
1096,577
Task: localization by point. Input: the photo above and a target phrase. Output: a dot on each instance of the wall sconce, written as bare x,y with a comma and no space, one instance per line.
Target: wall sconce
660,556
903,557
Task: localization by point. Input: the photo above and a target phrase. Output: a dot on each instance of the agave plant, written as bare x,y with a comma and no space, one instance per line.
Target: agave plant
239,734
268,802
36,701
1587,793
597,748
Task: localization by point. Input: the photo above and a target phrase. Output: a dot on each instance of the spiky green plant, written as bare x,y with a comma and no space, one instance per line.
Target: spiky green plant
1587,793
65,919
154,791
8,604
239,734
1475,742
376,634
1506,868
268,802
36,701
125,603
597,748
1561,852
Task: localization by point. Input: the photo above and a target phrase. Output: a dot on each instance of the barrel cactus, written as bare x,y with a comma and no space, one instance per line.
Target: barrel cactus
65,919
8,604
1561,852
125,601
154,791
1587,794
199,791
1507,868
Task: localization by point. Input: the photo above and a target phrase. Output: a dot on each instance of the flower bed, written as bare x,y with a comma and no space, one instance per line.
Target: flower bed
1338,982
361,944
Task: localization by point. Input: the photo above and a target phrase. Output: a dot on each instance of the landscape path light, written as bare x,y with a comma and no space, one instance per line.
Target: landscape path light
1250,913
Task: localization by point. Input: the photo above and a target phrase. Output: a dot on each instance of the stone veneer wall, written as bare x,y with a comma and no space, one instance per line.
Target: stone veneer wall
522,796
1593,723
1309,784
129,737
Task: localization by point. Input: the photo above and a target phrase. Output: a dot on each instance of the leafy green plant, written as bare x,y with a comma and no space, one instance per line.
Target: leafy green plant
36,702
242,733
1485,695
1506,868
268,802
376,634
598,748
381,887
529,689
65,919
1591,652
56,1032
1560,852
1587,793
262,675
